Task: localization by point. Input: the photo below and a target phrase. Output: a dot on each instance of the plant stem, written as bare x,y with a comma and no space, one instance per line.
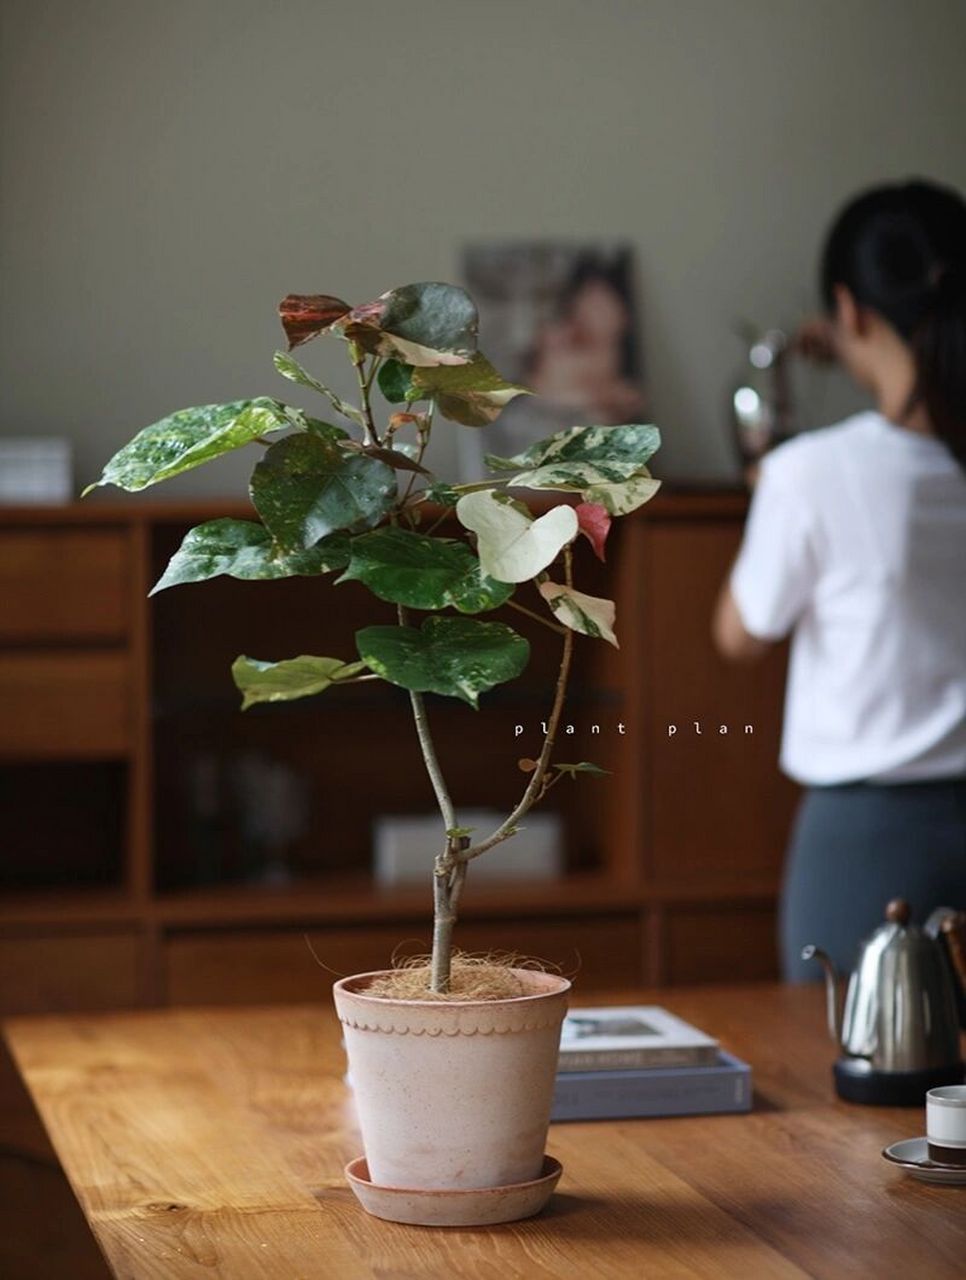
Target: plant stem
368,425
535,787
423,442
554,626
447,876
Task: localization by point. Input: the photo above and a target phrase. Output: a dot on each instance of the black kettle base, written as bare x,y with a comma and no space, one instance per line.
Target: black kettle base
856,1081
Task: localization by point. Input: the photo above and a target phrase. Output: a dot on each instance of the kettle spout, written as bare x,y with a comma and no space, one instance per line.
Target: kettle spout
832,992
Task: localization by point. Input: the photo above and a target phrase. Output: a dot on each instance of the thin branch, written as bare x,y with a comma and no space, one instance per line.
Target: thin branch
535,787
368,425
521,608
423,442
428,747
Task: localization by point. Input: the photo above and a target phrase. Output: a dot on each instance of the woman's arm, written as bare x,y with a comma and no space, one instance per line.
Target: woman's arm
728,631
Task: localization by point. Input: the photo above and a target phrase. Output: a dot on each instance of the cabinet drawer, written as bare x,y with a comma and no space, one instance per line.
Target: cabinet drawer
67,972
64,705
63,584
274,965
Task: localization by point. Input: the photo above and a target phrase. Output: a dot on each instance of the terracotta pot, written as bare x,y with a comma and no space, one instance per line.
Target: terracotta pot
453,1094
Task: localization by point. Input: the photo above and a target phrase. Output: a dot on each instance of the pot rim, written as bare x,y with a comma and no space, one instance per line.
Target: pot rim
342,987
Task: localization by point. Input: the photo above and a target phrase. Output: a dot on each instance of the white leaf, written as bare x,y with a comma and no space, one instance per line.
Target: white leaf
514,547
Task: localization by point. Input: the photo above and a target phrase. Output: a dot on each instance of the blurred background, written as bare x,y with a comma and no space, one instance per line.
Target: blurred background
170,171
167,173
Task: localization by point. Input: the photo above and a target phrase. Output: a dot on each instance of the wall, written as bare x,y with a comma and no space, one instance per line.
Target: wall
169,170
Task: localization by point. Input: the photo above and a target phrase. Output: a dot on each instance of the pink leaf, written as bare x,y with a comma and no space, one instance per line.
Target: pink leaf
305,316
594,522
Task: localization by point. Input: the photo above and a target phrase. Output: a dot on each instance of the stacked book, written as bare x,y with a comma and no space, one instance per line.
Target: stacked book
622,1061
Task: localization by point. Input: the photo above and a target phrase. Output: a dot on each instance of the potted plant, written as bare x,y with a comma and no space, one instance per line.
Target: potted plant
453,1064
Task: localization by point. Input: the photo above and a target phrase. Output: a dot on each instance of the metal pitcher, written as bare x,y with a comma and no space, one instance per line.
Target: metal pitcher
899,1029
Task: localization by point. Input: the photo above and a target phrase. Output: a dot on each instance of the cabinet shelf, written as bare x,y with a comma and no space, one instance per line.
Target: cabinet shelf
351,898
131,777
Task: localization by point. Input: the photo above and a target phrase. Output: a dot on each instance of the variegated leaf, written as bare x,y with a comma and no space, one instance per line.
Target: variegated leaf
422,325
624,496
574,476
628,446
456,657
590,615
244,549
423,572
190,437
472,394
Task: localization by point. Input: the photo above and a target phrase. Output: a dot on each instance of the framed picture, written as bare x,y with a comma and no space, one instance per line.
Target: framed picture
561,318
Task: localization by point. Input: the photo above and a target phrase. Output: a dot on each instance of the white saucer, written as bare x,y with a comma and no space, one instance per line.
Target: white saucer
912,1154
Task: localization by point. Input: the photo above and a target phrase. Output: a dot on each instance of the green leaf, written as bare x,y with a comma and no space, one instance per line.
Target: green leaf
423,572
305,488
396,457
395,381
590,615
293,678
456,657
244,549
327,431
512,545
442,493
420,324
472,394
292,370
188,438
584,767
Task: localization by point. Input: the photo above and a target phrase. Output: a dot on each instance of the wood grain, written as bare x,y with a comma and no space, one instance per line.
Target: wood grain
211,1143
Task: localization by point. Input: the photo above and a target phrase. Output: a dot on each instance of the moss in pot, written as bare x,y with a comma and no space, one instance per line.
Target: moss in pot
452,1063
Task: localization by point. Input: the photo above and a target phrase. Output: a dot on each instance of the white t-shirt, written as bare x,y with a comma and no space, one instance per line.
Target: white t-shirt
856,541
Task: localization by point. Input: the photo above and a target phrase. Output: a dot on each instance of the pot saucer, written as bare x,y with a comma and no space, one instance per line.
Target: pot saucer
912,1155
470,1207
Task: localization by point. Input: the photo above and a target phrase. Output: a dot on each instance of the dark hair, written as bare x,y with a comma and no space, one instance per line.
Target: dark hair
901,250
615,269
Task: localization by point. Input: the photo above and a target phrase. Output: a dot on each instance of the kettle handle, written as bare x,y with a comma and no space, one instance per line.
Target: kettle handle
953,931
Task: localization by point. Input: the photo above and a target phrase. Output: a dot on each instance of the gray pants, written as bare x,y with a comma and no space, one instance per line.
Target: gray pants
853,847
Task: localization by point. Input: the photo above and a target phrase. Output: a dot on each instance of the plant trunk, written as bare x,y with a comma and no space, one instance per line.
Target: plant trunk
443,921
447,886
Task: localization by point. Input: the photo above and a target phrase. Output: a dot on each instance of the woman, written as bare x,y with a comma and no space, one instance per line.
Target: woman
856,546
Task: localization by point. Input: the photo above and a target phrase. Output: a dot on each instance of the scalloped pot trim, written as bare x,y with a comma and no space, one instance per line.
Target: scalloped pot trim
441,1031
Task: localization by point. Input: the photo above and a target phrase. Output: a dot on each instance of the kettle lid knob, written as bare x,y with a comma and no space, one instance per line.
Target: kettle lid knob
898,911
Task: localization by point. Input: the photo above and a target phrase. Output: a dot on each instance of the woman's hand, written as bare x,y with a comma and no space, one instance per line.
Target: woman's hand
815,340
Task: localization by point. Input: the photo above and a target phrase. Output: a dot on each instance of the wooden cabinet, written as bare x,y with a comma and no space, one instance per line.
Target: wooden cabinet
671,863
64,583
52,972
65,704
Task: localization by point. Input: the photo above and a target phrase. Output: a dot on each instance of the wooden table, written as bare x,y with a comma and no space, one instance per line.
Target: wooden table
210,1143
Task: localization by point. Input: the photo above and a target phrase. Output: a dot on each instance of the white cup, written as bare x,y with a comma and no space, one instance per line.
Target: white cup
946,1124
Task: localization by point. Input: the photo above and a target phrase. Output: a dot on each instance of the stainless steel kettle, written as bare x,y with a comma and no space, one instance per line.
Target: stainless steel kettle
899,1030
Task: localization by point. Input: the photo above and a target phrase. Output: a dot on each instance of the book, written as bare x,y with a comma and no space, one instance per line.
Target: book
653,1091
631,1037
